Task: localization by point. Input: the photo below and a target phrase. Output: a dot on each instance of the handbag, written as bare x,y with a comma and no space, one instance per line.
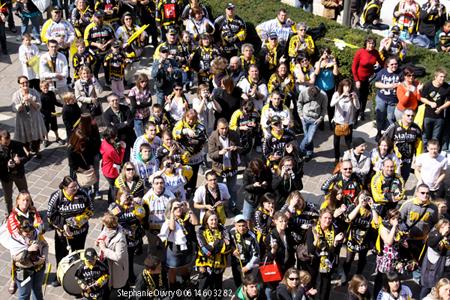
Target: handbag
270,272
303,253
86,178
342,129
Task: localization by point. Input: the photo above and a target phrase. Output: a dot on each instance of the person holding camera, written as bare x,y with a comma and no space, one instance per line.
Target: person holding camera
276,140
12,168
224,149
286,180
29,251
175,176
276,107
206,107
165,71
178,235
245,120
327,71
359,217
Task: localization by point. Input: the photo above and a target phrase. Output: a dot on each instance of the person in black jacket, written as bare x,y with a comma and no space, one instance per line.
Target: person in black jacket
279,245
431,18
48,100
165,72
286,180
69,211
119,116
71,113
12,161
290,287
257,181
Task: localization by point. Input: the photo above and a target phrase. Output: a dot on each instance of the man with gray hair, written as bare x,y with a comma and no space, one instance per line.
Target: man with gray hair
282,25
311,108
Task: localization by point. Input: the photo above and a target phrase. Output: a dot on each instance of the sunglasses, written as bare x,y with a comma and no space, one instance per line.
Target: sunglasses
129,169
293,278
178,89
424,193
23,82
346,169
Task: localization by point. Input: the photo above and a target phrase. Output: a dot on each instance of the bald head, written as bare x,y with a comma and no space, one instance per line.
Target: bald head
235,63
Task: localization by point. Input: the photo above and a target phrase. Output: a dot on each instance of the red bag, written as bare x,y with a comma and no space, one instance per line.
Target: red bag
270,272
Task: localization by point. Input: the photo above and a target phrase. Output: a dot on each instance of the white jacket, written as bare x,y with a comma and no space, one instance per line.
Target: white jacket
48,71
25,53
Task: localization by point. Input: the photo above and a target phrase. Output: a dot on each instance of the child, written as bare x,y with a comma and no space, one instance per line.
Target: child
27,52
442,38
71,112
48,99
187,48
82,58
160,118
116,61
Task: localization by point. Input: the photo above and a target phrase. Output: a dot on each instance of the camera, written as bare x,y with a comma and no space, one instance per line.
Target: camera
169,165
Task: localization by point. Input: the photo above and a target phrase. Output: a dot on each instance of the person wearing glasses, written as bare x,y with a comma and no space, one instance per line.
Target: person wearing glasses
180,239
129,181
292,287
408,93
69,211
387,81
30,126
302,43
406,135
176,103
346,180
134,49
419,215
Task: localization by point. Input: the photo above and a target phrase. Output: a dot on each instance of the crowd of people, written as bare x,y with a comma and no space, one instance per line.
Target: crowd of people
218,104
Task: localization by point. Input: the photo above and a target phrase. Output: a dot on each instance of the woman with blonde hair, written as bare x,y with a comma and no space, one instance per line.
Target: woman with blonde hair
289,287
129,181
441,291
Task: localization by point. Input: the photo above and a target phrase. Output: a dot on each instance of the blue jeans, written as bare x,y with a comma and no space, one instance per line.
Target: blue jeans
307,6
432,129
33,287
248,211
422,41
35,23
231,183
139,126
309,128
384,113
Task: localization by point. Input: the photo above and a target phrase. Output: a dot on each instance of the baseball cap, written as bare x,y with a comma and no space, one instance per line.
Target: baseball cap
239,218
273,35
230,5
56,8
99,13
90,254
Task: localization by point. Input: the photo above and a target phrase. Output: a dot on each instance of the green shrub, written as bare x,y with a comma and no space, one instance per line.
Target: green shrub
256,11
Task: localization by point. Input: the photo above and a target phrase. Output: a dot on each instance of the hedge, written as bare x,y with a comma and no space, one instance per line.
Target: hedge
254,12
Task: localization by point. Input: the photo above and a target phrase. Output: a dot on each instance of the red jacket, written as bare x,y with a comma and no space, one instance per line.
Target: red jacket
111,156
363,62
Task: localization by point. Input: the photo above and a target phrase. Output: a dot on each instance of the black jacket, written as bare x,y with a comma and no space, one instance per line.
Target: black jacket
252,193
7,153
124,124
284,294
280,256
70,115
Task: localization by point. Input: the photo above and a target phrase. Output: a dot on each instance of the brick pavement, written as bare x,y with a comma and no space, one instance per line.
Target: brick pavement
44,176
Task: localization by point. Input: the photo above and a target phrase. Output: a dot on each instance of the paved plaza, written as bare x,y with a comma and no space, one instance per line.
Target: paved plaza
44,175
